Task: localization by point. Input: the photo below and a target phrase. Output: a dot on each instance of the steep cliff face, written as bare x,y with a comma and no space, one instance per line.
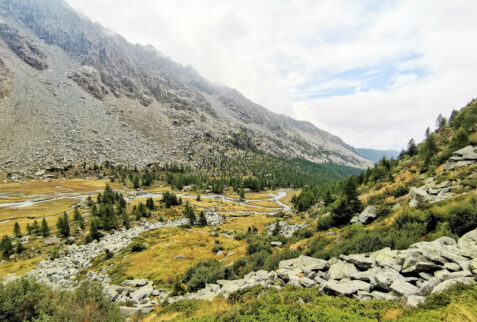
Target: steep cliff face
73,91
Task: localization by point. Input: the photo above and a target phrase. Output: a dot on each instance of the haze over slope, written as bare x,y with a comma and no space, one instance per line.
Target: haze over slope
72,91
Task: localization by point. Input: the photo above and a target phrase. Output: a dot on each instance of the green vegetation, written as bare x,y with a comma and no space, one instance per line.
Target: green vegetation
308,304
26,300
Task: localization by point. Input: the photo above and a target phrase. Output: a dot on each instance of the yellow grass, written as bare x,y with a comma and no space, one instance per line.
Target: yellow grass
54,186
38,210
19,267
241,224
264,203
157,262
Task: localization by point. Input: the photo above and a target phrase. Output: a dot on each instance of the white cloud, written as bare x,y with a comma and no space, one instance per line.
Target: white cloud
270,50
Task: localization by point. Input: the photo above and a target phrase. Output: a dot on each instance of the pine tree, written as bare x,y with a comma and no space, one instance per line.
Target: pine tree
78,218
242,194
63,225
136,182
189,213
202,219
459,140
150,204
45,230
276,229
94,234
16,230
35,228
126,220
6,246
28,228
19,247
411,148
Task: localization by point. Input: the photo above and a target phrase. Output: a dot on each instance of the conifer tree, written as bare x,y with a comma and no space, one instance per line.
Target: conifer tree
78,218
242,194
35,228
202,219
150,204
16,230
6,246
63,225
45,230
28,228
19,247
189,213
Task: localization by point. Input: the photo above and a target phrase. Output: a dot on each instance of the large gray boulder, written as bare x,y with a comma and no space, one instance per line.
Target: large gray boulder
403,288
386,277
362,261
449,283
388,258
415,300
473,267
305,263
342,270
345,288
419,194
368,215
141,293
415,262
468,244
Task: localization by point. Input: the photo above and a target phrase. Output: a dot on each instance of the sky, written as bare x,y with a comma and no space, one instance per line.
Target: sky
375,73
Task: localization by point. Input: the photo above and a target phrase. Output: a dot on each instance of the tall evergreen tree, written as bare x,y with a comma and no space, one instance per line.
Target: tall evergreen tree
189,213
16,230
45,230
6,246
63,225
202,219
35,228
412,148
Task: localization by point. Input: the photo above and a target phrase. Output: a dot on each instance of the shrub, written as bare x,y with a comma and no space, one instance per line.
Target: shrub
202,273
400,191
463,218
138,247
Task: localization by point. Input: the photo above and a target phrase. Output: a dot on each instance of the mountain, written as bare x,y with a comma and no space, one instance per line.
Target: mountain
376,155
73,91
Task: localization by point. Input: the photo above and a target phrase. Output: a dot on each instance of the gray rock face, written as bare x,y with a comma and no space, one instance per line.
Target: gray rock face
403,288
368,215
468,244
144,107
461,158
342,270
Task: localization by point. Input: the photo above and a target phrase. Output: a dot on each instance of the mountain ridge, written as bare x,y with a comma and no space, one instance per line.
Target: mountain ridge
82,93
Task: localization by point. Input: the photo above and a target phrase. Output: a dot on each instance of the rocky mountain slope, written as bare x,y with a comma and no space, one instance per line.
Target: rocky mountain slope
72,91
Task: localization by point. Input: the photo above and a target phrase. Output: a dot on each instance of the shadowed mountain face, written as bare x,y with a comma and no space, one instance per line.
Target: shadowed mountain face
73,91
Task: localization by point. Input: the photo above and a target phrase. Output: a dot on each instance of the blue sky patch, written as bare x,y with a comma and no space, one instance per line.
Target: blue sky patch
379,77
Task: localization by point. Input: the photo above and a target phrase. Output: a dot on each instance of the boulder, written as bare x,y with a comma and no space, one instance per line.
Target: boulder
391,296
141,293
419,194
345,288
449,283
403,288
415,300
179,257
305,263
386,277
468,244
473,267
367,276
342,270
276,244
359,260
415,262
388,258
368,215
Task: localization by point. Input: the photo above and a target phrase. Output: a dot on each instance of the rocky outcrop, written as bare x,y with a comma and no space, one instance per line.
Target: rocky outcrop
23,47
461,158
286,229
412,274
367,216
